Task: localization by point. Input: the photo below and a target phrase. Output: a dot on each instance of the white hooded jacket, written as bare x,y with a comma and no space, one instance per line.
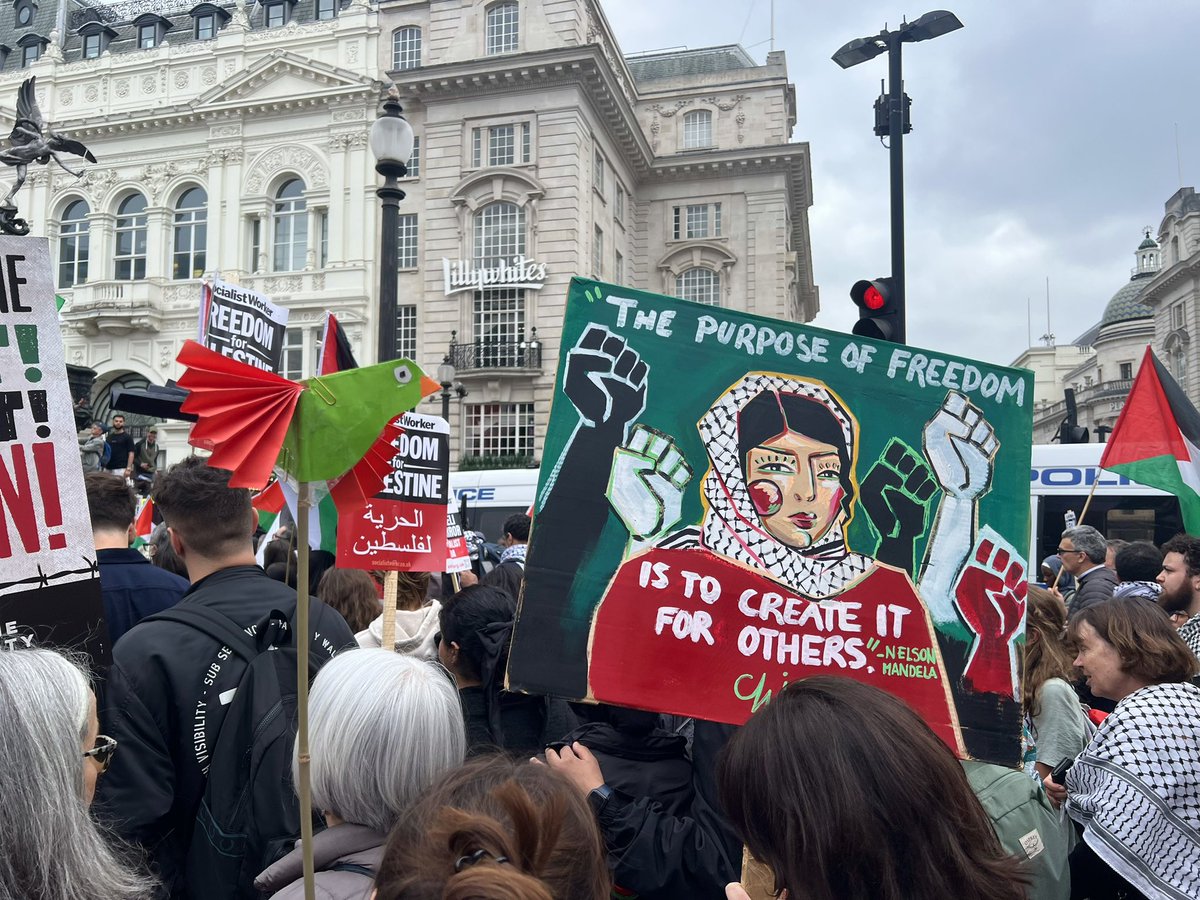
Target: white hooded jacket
415,629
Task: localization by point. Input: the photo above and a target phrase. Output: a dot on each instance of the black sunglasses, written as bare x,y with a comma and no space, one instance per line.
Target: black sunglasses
103,752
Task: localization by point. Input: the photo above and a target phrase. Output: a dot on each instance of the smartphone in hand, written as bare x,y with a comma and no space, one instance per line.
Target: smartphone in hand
1059,773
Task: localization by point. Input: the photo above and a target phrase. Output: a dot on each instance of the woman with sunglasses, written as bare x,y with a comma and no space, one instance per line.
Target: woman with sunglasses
51,756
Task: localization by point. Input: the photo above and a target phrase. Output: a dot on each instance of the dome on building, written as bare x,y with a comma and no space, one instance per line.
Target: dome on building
1124,305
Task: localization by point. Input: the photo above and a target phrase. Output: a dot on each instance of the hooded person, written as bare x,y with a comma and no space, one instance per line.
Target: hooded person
416,619
768,570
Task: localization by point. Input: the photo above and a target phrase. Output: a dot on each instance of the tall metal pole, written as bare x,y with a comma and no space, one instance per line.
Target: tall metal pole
389,196
896,158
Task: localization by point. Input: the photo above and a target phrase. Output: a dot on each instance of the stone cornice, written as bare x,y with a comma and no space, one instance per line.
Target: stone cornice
790,160
1169,279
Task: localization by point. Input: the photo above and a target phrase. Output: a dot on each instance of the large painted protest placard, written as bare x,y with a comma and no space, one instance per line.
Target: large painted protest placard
403,527
242,324
728,503
49,580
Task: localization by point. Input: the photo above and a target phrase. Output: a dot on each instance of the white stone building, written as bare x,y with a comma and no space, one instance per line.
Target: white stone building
1174,295
232,140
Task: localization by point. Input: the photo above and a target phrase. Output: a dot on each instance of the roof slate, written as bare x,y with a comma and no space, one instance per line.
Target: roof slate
689,63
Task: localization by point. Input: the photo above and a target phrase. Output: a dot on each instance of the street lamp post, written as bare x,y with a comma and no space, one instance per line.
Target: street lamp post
392,144
445,377
891,120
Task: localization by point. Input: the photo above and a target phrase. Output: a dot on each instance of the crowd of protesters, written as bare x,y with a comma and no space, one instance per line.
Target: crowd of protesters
429,780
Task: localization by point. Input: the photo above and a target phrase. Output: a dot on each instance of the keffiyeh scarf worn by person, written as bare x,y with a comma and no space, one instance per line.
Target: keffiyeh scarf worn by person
1136,790
733,528
515,553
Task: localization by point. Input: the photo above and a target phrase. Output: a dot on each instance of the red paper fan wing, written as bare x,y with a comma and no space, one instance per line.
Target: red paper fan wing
242,412
365,478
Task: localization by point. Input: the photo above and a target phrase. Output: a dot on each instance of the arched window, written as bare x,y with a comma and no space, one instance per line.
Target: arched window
130,233
406,48
190,239
499,233
73,245
503,27
699,285
697,130
291,227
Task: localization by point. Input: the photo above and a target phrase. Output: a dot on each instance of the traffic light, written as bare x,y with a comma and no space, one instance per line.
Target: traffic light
879,313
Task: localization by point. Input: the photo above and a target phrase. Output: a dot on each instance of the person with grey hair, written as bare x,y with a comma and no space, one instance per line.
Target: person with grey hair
383,727
1083,550
52,755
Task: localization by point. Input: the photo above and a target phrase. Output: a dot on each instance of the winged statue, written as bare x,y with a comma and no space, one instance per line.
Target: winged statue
31,141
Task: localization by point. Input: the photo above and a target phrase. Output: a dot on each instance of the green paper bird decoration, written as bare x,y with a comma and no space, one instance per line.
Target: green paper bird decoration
315,430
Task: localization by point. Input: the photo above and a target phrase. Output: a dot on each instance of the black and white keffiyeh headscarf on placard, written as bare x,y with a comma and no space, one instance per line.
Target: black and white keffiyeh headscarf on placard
1136,790
732,526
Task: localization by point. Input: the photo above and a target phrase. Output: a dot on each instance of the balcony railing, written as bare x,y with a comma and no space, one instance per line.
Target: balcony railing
115,307
1105,390
496,354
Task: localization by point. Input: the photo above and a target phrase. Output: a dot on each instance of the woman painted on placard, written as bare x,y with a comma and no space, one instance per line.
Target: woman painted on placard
778,497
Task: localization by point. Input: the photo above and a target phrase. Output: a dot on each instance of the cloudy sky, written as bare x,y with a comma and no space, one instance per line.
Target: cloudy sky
1044,140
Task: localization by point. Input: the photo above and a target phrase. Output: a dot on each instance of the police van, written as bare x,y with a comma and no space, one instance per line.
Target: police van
486,497
1060,479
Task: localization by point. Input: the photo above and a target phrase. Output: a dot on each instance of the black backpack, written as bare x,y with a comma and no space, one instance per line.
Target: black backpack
249,816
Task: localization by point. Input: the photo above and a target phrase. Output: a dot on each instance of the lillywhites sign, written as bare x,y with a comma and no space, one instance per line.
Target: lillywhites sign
462,275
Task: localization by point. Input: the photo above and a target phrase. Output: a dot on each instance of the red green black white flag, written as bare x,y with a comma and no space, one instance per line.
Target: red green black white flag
1156,441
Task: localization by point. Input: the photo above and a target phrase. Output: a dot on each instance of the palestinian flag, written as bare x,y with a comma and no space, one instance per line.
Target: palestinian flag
336,355
1156,441
269,502
143,524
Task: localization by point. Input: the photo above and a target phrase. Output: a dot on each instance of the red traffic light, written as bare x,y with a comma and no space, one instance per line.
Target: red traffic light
871,296
879,314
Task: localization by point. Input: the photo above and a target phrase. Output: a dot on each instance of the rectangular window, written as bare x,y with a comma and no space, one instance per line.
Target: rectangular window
507,145
696,220
147,36
323,249
406,246
91,46
619,268
326,9
619,203
1127,371
1177,315
30,54
406,331
503,27
499,429
598,171
206,27
499,326
276,15
502,145
414,161
598,253
292,364
130,247
255,244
